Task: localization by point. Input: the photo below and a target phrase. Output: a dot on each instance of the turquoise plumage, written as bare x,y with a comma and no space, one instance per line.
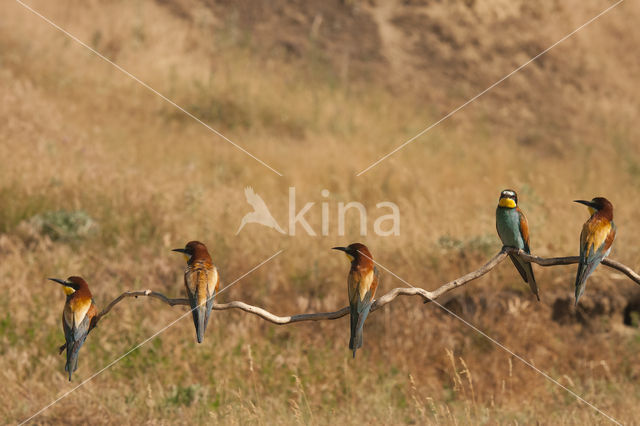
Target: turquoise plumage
513,229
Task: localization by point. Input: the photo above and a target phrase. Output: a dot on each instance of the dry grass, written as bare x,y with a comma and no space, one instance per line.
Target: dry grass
80,136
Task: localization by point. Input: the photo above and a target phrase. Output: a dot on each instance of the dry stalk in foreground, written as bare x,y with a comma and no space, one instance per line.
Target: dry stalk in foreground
379,302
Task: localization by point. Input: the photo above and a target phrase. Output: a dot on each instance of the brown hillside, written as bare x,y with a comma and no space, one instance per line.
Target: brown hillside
101,177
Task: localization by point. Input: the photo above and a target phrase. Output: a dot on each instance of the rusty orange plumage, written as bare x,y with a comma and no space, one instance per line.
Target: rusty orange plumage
362,283
596,240
78,318
202,283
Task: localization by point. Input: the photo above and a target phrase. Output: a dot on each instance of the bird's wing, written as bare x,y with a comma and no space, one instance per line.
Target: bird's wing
213,282
212,289
352,286
81,309
597,239
612,236
255,200
79,334
68,332
190,285
359,288
583,241
81,330
363,310
93,315
524,230
365,284
375,282
604,248
582,265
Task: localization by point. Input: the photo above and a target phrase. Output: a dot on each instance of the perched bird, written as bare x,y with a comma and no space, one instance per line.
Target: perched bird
78,317
202,282
513,230
362,284
260,213
596,239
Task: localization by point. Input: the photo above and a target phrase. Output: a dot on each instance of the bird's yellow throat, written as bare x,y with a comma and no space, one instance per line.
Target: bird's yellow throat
507,202
68,290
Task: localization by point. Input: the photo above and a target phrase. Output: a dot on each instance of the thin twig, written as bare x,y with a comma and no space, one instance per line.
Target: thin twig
382,300
149,293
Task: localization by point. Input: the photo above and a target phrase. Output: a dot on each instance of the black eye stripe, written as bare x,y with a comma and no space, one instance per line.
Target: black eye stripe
508,194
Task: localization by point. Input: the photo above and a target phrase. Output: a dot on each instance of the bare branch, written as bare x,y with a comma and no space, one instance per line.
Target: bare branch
266,315
381,301
149,293
622,268
470,276
553,261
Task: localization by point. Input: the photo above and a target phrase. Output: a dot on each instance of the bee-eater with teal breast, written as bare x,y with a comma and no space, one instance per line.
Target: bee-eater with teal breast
202,283
596,239
513,230
362,283
78,318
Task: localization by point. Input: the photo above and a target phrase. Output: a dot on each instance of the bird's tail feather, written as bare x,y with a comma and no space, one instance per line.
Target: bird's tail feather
531,280
354,323
72,358
519,266
357,327
581,279
207,310
355,341
200,325
585,269
526,272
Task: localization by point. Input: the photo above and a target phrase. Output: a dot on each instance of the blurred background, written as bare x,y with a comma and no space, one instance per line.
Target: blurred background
99,177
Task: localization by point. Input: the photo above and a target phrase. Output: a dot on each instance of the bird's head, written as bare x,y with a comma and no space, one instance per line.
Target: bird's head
356,252
598,204
508,199
193,248
71,284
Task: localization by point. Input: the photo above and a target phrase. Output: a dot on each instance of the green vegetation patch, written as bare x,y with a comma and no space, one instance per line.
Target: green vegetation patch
64,225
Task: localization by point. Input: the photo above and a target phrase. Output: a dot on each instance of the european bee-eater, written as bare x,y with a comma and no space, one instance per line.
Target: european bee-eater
513,230
362,283
77,318
596,239
202,282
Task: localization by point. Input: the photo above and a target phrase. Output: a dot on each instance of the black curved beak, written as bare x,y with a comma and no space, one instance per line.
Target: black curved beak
181,250
586,203
64,283
344,249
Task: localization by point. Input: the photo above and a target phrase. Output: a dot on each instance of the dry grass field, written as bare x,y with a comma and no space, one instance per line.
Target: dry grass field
100,177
